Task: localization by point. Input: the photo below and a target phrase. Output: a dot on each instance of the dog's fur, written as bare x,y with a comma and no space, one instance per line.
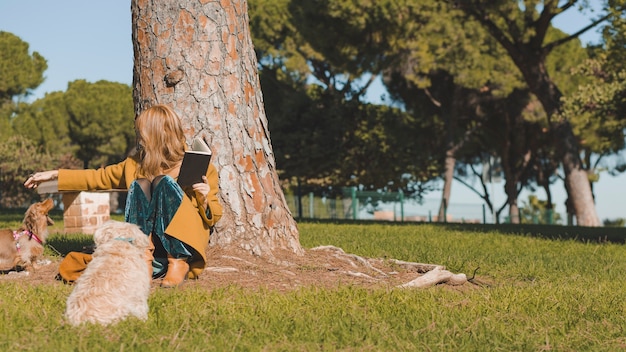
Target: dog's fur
25,250
115,284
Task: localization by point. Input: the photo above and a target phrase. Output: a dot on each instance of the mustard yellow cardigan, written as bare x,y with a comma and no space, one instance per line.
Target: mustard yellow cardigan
190,224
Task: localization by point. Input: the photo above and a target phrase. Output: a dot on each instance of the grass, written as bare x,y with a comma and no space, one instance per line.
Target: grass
545,294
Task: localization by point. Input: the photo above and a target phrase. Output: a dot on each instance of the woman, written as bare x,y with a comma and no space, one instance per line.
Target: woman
178,220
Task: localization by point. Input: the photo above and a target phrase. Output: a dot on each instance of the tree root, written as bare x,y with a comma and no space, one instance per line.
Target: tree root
436,276
331,259
432,274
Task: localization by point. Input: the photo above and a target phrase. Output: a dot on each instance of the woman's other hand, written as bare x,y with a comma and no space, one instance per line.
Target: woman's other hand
202,191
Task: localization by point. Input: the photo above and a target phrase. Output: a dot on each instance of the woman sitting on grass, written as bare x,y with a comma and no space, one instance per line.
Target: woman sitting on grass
178,220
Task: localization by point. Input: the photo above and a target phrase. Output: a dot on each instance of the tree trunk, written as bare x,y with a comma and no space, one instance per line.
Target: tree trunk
511,199
577,182
197,56
580,195
447,184
449,109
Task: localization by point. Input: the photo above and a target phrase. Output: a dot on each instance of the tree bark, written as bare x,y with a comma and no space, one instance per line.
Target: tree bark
448,177
197,56
576,179
449,109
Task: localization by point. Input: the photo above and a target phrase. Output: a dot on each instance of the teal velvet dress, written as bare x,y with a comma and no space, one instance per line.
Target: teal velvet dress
152,209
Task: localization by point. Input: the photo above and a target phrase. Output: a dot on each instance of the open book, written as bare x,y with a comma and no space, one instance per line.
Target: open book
195,163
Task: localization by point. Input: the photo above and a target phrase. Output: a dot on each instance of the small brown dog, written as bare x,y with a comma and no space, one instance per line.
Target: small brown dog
22,248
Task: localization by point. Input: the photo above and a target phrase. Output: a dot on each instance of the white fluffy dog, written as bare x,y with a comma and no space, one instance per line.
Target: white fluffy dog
115,283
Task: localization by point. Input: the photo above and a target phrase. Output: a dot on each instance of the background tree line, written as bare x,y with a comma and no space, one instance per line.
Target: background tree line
470,81
463,90
88,125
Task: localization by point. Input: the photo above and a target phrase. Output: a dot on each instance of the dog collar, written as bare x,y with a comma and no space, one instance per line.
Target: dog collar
125,239
32,235
18,234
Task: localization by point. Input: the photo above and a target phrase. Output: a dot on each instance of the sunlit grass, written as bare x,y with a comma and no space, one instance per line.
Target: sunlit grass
561,295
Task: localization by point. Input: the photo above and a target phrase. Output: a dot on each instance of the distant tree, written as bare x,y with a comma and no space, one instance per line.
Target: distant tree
389,150
100,121
413,44
526,150
20,73
514,135
599,106
521,28
45,122
535,211
313,95
444,68
19,156
307,130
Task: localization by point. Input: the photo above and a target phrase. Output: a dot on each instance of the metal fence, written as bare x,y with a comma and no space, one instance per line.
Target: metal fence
393,206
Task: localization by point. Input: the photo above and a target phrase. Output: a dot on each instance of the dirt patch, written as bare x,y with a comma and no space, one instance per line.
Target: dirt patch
285,271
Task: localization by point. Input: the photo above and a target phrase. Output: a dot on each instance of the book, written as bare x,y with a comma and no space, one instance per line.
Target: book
195,163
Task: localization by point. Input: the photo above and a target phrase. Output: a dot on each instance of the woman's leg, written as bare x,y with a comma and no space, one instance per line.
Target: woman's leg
139,212
166,199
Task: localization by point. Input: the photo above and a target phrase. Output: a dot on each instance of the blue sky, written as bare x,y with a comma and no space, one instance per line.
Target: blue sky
92,40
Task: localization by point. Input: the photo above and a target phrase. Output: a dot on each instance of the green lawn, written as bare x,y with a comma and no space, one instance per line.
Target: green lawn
545,294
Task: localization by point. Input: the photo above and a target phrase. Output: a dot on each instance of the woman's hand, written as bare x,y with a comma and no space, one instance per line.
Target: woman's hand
38,177
202,191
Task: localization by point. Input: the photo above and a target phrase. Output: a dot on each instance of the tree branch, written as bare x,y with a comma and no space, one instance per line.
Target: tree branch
495,31
435,102
556,43
542,24
361,91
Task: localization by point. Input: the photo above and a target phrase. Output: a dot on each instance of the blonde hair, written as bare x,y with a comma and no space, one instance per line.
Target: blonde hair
161,140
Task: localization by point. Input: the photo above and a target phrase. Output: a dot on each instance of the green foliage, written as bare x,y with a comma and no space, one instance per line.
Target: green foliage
535,211
100,121
277,43
536,294
20,72
45,122
321,131
307,130
93,121
614,36
450,42
19,157
389,149
598,106
361,36
331,142
562,61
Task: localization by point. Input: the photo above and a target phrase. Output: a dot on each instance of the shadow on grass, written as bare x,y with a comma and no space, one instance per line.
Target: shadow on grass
552,232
